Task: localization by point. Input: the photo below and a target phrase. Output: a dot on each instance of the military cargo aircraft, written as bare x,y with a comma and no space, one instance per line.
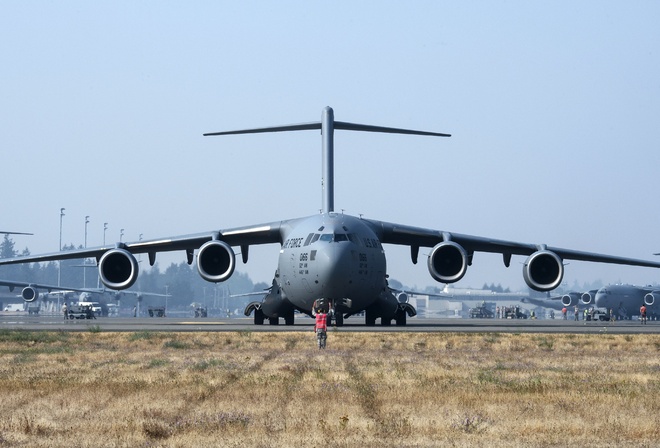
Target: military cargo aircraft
331,255
626,300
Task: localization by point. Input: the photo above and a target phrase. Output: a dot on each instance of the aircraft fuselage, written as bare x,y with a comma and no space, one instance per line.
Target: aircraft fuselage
623,299
332,256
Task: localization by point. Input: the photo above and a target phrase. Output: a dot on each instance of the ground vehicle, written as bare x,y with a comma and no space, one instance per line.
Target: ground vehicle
481,312
14,307
200,311
78,311
34,309
600,315
113,310
96,307
514,312
158,311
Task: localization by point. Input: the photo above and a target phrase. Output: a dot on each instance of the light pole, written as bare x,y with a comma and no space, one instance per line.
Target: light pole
59,262
166,295
105,227
85,261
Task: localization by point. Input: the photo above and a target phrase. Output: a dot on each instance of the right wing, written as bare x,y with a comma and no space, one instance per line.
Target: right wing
239,236
118,267
30,290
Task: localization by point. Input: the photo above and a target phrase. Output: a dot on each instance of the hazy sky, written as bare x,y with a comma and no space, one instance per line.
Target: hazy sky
553,108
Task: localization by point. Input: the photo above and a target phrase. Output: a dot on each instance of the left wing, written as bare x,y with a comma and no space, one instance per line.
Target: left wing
452,253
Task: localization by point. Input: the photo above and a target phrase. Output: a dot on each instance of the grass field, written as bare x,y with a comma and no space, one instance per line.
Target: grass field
151,389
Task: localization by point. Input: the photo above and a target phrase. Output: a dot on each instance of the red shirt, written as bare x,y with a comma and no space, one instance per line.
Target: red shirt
643,310
321,322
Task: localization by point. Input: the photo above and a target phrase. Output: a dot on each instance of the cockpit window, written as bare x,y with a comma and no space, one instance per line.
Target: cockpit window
327,237
315,238
340,237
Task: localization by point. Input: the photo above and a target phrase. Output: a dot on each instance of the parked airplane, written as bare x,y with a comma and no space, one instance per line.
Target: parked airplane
34,291
331,255
626,300
31,291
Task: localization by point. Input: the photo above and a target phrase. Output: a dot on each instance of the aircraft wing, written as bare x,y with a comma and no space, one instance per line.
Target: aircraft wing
418,293
239,236
417,237
550,302
12,284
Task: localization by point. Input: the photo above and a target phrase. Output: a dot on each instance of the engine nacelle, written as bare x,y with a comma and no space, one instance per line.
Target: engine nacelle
447,262
649,299
543,270
29,294
589,297
570,299
118,269
402,297
216,261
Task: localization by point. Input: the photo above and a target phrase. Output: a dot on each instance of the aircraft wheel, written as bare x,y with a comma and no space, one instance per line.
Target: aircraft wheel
339,320
274,320
258,317
385,322
400,318
369,319
288,319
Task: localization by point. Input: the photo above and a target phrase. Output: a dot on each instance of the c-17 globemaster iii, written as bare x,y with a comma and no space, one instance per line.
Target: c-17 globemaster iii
332,255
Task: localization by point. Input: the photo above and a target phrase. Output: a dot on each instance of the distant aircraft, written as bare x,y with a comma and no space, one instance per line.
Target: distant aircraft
625,300
13,233
331,255
33,291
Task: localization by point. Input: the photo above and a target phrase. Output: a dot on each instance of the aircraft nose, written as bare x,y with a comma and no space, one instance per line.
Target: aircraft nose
336,265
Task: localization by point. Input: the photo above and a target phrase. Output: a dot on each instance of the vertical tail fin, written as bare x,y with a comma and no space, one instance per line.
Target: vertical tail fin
327,125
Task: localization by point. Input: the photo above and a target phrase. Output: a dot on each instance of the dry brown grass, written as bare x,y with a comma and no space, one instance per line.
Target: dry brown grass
367,389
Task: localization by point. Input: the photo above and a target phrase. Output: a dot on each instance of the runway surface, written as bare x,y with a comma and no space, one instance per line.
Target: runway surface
23,321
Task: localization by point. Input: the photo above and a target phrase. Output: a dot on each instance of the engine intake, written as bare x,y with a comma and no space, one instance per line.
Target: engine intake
118,269
543,270
570,299
649,299
447,262
29,294
216,261
589,297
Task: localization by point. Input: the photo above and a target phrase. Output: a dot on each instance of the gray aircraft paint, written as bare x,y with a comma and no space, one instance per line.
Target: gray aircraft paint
351,271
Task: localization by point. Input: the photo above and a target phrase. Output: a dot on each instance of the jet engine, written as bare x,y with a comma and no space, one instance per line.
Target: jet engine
402,297
118,269
447,262
29,294
589,297
543,270
649,299
570,299
216,261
